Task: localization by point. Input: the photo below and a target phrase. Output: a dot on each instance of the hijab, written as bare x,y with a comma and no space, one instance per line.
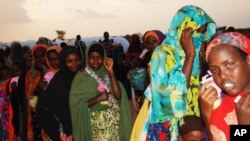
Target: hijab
157,34
53,105
234,39
168,90
57,49
81,92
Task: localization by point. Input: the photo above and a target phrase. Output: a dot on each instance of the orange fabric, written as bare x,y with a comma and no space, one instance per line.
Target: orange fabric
58,50
35,47
153,34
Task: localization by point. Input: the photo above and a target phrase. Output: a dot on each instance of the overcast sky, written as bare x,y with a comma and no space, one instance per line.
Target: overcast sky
29,19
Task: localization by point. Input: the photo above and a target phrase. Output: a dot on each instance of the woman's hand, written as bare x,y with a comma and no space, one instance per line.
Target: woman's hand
207,96
243,110
186,42
108,65
103,96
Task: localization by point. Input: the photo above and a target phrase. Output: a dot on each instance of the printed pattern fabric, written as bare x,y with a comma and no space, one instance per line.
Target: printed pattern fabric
168,90
4,113
105,123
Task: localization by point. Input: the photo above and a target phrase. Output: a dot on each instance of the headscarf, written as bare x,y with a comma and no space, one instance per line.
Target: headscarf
65,51
53,105
83,88
96,48
168,90
57,49
38,48
157,34
235,39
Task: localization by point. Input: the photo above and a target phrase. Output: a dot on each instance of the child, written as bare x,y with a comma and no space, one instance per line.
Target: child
229,62
52,61
192,129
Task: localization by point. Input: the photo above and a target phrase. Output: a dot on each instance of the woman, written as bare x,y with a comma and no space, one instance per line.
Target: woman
139,78
98,103
174,75
52,61
53,106
229,62
151,40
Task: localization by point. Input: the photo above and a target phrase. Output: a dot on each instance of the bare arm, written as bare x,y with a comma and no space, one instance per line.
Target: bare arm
188,47
100,97
108,64
207,97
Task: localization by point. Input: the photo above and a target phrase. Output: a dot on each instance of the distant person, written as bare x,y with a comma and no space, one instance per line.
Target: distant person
138,75
135,48
63,44
108,44
81,46
230,29
15,53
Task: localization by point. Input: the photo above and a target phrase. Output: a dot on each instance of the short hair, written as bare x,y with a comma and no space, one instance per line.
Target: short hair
191,123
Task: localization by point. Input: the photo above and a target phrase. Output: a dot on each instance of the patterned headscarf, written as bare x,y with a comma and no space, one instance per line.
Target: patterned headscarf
168,90
235,39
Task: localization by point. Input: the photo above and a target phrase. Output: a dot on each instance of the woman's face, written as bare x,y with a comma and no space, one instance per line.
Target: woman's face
73,62
28,58
151,43
95,61
229,69
39,57
53,58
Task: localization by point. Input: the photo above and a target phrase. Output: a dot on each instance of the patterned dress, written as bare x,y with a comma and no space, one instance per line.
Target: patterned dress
4,112
170,98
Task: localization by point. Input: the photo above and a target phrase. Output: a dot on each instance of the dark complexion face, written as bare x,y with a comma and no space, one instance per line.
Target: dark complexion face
28,59
151,43
53,58
192,136
73,62
229,69
39,57
95,61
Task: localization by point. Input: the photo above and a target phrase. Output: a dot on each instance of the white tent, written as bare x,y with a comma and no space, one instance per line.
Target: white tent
117,39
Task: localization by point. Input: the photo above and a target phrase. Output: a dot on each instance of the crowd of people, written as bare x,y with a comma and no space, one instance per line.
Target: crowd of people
152,92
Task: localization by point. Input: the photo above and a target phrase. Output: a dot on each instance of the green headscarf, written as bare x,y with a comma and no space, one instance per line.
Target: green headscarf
83,88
